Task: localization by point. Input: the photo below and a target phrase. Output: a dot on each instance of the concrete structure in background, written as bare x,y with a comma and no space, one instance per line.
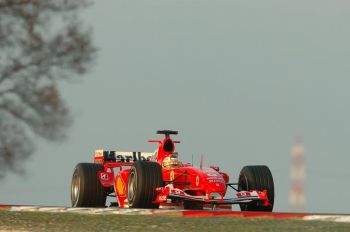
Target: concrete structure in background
297,176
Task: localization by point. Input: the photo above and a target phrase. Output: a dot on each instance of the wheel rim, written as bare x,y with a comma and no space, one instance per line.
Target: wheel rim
132,186
75,188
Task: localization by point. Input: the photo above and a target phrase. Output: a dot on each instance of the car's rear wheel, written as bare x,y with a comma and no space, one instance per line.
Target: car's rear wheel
86,189
256,178
144,178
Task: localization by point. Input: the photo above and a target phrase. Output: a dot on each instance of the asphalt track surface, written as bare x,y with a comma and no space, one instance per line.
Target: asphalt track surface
35,218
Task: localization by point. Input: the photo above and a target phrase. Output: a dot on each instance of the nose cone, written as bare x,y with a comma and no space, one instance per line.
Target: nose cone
215,182
208,180
217,185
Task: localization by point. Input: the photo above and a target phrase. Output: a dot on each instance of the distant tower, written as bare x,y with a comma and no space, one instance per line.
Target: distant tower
297,176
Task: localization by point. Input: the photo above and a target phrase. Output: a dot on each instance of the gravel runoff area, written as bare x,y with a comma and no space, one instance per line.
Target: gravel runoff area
70,221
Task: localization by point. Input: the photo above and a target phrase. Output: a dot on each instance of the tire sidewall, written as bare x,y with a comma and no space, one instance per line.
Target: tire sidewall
134,198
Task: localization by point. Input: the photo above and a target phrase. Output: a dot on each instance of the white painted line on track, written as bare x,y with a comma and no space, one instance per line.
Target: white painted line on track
332,218
76,209
52,209
24,208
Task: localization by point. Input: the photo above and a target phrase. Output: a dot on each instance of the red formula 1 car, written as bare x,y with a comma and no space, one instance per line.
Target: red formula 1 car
159,179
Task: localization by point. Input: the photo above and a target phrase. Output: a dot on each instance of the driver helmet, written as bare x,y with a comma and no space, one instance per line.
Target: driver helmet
171,161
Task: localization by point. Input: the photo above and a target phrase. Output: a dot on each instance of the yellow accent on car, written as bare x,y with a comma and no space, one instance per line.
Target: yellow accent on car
120,186
172,175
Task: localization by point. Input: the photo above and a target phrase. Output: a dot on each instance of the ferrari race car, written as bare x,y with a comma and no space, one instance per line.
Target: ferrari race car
159,179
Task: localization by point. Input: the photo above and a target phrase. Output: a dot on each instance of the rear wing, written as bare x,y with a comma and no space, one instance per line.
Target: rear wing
101,156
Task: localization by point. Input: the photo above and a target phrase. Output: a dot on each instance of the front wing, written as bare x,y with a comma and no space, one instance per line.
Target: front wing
169,192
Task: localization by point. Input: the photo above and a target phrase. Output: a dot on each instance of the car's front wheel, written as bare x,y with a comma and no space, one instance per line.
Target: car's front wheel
256,178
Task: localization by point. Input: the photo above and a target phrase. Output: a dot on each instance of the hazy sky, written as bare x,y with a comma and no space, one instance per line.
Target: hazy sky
238,79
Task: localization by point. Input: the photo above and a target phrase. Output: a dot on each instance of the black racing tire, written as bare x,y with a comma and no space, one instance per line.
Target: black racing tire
86,189
144,178
256,178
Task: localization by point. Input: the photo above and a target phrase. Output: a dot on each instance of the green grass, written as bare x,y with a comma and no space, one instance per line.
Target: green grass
45,221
